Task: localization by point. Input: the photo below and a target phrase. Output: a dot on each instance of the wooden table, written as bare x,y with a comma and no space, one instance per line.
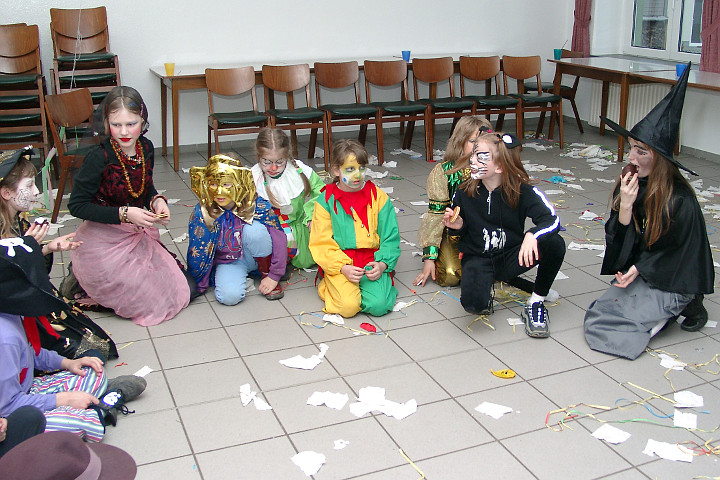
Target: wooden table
192,77
614,70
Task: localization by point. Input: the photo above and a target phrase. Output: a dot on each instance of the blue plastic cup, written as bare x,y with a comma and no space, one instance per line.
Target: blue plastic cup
557,53
406,55
680,69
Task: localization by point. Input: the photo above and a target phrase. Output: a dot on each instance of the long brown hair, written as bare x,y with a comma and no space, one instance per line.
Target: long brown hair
274,139
466,127
656,205
508,159
344,148
121,97
22,169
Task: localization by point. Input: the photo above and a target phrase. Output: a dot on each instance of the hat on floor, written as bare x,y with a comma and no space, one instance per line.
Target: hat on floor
24,282
64,456
660,128
9,159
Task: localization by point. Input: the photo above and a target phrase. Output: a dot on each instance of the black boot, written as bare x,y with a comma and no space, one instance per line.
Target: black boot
695,314
264,268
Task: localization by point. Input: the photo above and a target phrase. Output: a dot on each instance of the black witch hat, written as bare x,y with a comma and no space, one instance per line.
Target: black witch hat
24,283
9,159
660,128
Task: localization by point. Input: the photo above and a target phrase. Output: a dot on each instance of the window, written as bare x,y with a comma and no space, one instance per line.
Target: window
666,29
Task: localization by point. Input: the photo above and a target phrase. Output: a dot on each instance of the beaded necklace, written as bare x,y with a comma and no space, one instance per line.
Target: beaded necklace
124,158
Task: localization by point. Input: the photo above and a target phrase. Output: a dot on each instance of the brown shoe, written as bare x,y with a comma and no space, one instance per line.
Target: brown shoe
264,269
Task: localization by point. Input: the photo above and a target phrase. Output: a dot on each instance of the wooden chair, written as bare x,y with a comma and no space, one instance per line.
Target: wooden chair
82,55
69,110
22,92
288,79
392,73
232,82
434,72
336,77
525,68
486,69
566,91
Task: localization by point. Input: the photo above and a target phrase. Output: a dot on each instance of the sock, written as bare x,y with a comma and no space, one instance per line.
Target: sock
534,298
552,296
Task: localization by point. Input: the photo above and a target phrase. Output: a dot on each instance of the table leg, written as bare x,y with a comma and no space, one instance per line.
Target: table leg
176,126
163,115
604,104
622,120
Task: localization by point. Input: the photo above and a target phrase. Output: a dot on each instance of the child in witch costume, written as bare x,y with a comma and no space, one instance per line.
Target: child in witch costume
76,399
657,245
291,187
354,238
233,232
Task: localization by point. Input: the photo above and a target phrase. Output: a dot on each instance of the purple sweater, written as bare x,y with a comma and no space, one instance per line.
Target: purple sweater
16,354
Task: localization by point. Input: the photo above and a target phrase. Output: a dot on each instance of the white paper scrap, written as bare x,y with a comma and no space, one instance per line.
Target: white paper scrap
399,306
387,190
554,192
493,410
390,164
419,203
575,186
143,371
335,401
668,451
373,174
588,215
65,218
186,170
303,363
181,238
373,398
172,201
261,404
334,318
666,361
684,420
561,276
605,180
246,394
515,321
711,324
611,434
585,246
687,399
309,461
163,231
340,444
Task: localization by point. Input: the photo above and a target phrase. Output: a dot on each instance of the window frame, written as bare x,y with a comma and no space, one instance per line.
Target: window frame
671,51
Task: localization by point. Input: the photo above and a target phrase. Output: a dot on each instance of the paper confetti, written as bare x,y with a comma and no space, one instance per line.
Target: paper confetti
611,434
493,410
335,401
303,363
309,461
668,451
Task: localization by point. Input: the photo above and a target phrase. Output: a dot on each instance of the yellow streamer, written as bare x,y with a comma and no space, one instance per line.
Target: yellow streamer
422,475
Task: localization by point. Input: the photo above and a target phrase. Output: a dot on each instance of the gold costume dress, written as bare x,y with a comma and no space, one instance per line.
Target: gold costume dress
437,243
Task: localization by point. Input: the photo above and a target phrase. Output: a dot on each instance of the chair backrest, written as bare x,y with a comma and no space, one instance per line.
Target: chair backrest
79,30
335,76
230,82
433,71
571,54
521,69
480,69
286,78
67,110
385,73
19,49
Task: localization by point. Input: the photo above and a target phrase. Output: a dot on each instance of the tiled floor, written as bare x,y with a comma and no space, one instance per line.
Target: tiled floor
190,422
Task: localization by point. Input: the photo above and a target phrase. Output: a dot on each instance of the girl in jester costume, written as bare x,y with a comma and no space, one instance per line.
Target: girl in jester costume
354,238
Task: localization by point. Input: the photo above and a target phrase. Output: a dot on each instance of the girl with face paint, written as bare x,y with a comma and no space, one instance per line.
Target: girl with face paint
291,187
354,238
18,192
494,204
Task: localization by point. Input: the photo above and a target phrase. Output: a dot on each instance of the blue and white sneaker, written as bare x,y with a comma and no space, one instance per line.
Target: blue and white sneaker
536,320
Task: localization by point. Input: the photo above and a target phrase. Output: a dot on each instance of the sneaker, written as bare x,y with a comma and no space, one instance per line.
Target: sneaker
131,385
113,400
536,320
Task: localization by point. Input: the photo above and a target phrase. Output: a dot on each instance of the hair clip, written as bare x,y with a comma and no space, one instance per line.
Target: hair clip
510,140
485,129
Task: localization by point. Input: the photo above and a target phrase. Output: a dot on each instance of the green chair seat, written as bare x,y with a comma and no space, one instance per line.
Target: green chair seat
17,79
86,57
297,115
400,107
349,109
239,118
17,136
549,86
80,151
494,100
16,101
19,118
88,79
447,103
537,98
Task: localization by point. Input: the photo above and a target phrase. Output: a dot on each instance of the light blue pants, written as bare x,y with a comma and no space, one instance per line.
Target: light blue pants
230,277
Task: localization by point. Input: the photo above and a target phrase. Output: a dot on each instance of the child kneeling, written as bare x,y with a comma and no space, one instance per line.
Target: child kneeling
354,238
494,204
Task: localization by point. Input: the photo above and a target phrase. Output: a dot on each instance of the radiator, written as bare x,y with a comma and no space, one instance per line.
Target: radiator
642,99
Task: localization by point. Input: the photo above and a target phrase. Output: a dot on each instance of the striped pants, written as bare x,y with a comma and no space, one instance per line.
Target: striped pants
82,422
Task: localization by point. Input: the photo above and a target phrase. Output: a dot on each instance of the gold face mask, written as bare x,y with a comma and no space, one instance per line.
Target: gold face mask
224,185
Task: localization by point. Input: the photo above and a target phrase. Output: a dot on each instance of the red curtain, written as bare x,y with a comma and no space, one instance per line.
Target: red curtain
710,53
581,28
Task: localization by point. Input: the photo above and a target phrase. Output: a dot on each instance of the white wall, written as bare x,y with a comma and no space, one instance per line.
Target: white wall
150,32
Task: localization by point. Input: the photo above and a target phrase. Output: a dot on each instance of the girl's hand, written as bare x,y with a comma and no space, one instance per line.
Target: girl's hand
3,429
160,207
38,231
528,251
59,244
629,187
352,273
427,271
456,225
267,285
625,279
377,269
77,366
141,217
75,399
